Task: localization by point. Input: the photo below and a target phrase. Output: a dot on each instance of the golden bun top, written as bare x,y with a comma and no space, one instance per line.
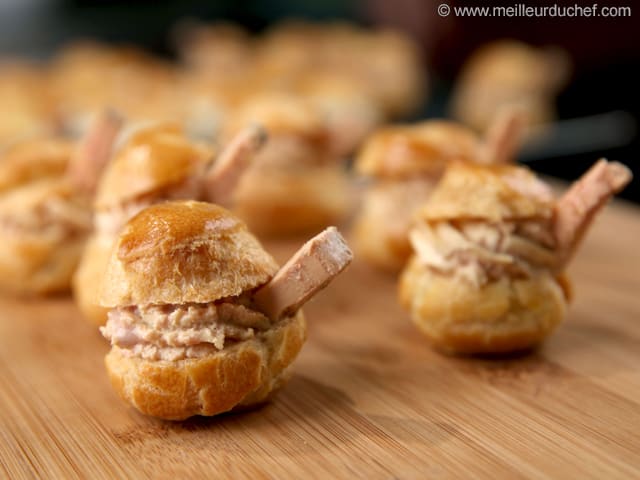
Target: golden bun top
313,83
281,114
87,65
509,62
27,106
34,159
424,148
155,159
184,251
90,76
489,192
219,47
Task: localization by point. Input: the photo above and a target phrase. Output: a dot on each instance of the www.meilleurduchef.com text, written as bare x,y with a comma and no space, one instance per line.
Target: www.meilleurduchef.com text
527,10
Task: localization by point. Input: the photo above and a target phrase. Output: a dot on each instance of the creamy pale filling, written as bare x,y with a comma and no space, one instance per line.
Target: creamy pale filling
172,332
58,217
480,252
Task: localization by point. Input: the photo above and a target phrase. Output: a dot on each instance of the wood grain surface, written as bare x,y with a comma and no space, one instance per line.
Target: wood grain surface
369,398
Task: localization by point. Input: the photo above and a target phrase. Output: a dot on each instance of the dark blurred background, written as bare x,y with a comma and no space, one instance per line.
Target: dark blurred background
605,54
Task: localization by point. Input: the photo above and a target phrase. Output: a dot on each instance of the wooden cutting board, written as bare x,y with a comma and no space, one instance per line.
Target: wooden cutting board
368,399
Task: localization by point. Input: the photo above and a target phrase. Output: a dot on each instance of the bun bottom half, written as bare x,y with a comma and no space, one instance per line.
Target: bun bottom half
508,315
239,376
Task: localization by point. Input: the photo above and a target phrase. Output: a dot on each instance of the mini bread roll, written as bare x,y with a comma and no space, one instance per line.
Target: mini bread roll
43,227
45,208
404,164
87,77
350,113
209,100
218,49
295,184
401,81
197,259
293,48
154,158
155,164
284,116
510,73
490,248
278,202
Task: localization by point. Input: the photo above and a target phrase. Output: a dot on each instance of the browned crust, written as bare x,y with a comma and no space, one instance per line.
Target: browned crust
152,160
509,72
422,149
32,160
184,251
503,316
281,114
241,375
491,192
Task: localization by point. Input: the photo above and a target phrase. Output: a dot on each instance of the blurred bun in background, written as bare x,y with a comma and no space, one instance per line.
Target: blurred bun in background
510,73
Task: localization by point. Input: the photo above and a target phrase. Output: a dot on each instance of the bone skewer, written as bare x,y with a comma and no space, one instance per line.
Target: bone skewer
576,209
504,136
307,272
94,151
225,174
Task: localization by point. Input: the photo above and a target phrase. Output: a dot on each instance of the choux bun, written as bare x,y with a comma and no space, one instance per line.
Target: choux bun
199,260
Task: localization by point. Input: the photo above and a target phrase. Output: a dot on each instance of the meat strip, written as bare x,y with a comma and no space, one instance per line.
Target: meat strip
577,208
94,151
503,137
225,174
308,271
